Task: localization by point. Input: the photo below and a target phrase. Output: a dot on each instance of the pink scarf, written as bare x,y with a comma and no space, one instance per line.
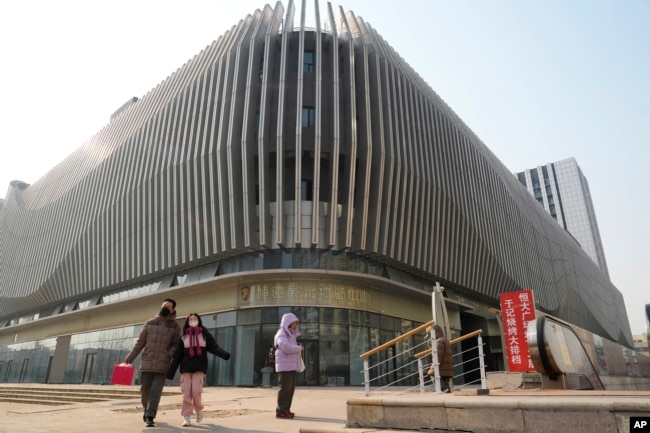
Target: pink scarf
193,332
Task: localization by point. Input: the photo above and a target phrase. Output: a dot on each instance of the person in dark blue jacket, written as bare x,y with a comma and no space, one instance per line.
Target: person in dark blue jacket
192,356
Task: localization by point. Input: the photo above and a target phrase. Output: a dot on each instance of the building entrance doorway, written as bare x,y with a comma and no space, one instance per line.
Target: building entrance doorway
310,352
89,368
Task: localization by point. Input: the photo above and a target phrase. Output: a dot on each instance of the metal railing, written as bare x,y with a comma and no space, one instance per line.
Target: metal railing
461,359
384,376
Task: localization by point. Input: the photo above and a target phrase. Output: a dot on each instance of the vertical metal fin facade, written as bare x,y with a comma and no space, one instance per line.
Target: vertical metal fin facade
277,136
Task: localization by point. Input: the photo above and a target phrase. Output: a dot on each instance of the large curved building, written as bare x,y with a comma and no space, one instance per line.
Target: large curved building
283,168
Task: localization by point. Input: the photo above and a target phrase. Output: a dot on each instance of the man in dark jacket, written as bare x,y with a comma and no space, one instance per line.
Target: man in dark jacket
158,338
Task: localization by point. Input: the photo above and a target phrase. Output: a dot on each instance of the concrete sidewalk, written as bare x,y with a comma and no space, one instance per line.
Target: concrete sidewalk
227,409
328,409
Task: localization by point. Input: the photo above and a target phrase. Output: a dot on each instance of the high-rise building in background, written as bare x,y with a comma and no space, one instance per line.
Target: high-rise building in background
286,167
562,189
641,343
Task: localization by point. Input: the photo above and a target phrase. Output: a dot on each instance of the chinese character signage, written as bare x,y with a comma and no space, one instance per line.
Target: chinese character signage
517,308
305,293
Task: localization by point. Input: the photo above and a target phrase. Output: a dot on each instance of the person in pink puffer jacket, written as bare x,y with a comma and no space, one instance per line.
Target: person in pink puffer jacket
288,357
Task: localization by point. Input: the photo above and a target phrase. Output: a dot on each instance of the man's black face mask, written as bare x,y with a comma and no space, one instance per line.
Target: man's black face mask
164,311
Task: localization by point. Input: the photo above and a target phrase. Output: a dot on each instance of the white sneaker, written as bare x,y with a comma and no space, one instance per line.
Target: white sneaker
186,421
199,416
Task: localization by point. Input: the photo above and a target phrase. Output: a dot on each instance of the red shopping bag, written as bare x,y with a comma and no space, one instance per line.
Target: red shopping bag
123,374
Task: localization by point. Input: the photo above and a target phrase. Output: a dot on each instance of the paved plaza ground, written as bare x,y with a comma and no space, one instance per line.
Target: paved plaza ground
252,410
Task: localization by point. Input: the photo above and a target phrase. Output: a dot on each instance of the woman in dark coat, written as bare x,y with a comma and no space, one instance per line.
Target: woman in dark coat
445,360
192,356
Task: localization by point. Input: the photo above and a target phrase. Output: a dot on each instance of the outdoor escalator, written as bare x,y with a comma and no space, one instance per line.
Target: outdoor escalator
559,354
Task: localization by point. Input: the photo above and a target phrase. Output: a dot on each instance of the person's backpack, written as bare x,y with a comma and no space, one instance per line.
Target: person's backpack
271,355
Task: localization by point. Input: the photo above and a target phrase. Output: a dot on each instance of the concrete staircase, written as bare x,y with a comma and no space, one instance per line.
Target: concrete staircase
56,395
534,411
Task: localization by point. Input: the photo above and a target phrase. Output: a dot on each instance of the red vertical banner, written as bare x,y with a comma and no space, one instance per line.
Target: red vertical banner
517,308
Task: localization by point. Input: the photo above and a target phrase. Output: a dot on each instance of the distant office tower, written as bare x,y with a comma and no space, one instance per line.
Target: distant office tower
562,189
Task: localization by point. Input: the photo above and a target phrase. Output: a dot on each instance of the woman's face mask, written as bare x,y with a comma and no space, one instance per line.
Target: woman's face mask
194,323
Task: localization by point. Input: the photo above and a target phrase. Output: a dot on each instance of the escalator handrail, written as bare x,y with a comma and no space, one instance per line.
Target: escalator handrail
545,358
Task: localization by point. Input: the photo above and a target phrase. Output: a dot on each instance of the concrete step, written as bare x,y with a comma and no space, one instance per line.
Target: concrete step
108,389
67,394
70,394
49,400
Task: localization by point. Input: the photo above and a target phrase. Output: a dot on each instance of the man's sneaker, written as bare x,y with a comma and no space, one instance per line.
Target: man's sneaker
292,414
199,416
286,415
186,421
150,422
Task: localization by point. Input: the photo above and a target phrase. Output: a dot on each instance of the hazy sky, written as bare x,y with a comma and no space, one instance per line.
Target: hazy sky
537,81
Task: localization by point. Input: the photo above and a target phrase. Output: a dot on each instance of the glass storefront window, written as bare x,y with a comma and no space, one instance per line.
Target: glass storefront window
334,360
228,318
389,323
306,314
209,321
306,259
334,315
374,320
359,343
333,261
272,260
308,331
27,362
246,348
268,333
360,318
249,316
333,338
220,372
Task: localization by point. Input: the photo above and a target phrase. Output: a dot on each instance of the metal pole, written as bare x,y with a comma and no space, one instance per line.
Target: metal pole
421,374
366,376
443,308
438,299
436,364
481,361
435,299
434,296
